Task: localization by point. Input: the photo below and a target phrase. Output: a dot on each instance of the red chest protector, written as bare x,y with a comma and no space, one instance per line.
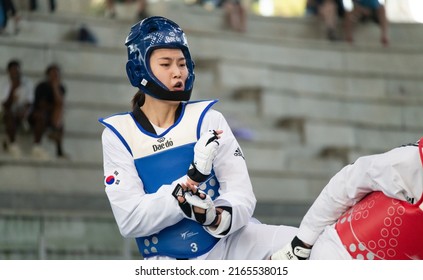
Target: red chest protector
383,228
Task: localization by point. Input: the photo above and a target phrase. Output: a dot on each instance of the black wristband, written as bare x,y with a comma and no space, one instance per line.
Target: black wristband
214,221
297,242
298,248
196,175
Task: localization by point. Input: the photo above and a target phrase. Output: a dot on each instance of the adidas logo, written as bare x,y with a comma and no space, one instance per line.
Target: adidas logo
238,153
409,199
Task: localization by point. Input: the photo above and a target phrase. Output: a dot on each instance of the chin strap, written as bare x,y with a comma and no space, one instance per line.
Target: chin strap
158,92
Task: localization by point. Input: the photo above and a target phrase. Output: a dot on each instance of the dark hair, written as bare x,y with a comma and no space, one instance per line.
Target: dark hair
52,67
138,99
13,63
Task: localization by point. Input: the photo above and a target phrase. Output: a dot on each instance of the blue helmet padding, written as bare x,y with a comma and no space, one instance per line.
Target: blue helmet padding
150,34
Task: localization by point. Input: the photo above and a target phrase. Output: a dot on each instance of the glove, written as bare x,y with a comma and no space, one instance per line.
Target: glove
205,151
208,217
296,250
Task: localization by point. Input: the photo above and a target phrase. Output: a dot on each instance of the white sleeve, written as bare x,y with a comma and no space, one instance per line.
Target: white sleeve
136,213
397,173
231,171
29,90
5,89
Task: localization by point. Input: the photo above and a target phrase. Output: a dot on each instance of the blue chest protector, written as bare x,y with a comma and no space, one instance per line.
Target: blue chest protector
163,159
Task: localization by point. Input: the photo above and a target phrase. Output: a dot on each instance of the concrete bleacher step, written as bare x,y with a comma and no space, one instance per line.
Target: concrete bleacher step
320,134
54,177
324,83
292,160
80,120
333,123
241,62
284,189
301,28
287,213
77,59
380,112
27,236
265,136
294,54
75,13
248,126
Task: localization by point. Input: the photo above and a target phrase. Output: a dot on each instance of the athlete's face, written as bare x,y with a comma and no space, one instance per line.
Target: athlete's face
169,67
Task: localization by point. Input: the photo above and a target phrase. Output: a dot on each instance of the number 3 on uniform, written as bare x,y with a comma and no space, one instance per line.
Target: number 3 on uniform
194,247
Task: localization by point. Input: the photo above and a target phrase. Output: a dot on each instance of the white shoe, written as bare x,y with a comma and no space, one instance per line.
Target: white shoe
39,153
14,150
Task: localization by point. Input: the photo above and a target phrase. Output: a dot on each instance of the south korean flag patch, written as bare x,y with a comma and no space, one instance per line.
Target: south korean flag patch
112,179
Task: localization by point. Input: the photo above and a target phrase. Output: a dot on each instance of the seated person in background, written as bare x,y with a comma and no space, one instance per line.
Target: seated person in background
33,5
330,11
47,112
8,11
361,10
235,14
16,98
142,9
110,9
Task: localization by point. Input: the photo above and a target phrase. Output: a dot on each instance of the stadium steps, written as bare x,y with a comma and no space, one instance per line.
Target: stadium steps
75,13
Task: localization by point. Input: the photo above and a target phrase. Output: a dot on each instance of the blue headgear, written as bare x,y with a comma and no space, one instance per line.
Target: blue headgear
150,34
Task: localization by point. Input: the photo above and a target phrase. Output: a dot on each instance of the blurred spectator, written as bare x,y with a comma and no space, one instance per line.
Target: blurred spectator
33,5
47,112
85,35
235,14
363,10
110,9
16,98
329,11
7,9
194,2
140,6
142,9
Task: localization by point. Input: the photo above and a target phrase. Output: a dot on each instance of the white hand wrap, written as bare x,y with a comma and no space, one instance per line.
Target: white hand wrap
194,199
296,250
225,223
205,151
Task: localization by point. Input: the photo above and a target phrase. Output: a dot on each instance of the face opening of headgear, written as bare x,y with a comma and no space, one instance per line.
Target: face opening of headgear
150,34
